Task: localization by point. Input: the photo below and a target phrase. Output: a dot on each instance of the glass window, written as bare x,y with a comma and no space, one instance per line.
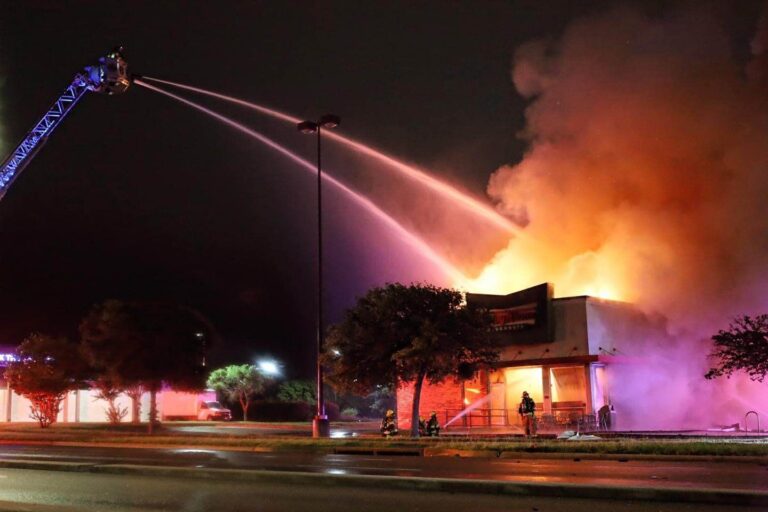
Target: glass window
569,384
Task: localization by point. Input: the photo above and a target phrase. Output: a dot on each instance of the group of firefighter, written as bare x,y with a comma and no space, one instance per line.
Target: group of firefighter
431,426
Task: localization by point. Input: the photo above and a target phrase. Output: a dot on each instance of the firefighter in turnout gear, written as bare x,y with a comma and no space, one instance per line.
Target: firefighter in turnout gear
527,411
389,424
433,426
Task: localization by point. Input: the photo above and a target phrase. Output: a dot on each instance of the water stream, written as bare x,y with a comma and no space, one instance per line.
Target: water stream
466,201
405,235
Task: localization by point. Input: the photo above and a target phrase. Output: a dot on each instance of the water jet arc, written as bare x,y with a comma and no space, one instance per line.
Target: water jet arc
409,238
469,203
474,405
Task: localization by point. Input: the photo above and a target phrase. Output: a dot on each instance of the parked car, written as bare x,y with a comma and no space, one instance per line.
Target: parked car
210,411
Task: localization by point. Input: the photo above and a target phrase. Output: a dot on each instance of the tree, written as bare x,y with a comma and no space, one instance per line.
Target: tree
134,392
381,399
47,368
147,344
400,333
238,382
297,391
108,391
743,347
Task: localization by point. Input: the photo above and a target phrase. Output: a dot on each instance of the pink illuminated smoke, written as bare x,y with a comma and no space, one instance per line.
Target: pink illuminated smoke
646,180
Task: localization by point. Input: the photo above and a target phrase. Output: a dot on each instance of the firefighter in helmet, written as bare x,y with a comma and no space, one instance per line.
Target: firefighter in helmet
433,425
527,411
389,424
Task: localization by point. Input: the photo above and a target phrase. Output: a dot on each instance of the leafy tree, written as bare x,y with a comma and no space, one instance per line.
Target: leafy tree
297,391
109,392
147,344
381,399
743,347
400,333
47,369
238,382
135,392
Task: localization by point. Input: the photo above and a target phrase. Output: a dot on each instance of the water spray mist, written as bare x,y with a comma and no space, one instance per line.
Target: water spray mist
469,203
408,237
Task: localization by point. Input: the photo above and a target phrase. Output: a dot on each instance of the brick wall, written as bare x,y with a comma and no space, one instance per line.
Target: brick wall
434,397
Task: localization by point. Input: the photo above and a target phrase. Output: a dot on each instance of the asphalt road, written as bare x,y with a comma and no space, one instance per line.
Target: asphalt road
53,491
631,473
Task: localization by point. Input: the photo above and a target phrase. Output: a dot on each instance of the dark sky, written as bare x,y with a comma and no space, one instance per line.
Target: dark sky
138,196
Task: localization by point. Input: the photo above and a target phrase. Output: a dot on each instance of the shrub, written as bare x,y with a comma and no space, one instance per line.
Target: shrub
349,413
297,391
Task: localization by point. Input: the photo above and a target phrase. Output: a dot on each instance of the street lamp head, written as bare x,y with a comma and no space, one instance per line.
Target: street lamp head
330,121
307,127
269,367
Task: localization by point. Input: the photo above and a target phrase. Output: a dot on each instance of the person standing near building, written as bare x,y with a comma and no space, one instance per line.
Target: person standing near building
527,411
389,424
433,425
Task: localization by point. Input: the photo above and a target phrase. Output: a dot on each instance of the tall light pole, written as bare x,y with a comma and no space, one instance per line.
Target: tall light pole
320,425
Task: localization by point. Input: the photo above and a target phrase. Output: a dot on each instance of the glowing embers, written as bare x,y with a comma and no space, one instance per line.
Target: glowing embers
471,394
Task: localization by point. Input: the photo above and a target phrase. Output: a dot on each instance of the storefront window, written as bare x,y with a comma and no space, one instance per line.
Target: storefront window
569,386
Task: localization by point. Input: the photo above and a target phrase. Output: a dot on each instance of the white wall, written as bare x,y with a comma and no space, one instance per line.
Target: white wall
83,406
570,334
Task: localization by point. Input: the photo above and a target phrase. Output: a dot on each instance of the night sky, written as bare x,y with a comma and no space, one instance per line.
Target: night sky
139,197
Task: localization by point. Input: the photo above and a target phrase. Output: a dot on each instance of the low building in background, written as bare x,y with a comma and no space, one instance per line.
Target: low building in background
83,406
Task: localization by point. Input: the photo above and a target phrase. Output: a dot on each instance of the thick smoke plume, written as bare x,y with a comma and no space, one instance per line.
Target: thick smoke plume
647,173
646,180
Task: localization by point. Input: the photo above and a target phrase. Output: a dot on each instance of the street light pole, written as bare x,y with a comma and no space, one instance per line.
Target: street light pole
320,424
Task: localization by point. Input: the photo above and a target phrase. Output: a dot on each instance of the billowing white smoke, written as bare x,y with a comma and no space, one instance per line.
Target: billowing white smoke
646,180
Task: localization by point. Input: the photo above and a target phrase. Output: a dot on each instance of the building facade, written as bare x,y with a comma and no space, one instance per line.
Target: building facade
565,352
83,405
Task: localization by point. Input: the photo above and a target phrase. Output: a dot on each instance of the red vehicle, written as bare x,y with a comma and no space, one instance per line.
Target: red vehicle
210,411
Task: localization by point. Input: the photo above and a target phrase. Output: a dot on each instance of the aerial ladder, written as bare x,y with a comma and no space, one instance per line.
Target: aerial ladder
108,76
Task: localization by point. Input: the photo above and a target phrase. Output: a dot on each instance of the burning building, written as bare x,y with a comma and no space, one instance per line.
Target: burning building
644,180
571,354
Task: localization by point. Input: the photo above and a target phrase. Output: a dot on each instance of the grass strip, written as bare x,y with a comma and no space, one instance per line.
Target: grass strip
132,434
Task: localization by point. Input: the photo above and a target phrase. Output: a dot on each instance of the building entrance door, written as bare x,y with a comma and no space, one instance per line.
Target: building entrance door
528,378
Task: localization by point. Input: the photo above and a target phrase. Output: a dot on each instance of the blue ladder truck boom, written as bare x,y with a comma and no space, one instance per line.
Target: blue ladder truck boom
108,76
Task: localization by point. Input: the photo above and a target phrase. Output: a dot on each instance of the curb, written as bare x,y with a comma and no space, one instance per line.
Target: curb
354,450
621,457
10,506
447,485
161,446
